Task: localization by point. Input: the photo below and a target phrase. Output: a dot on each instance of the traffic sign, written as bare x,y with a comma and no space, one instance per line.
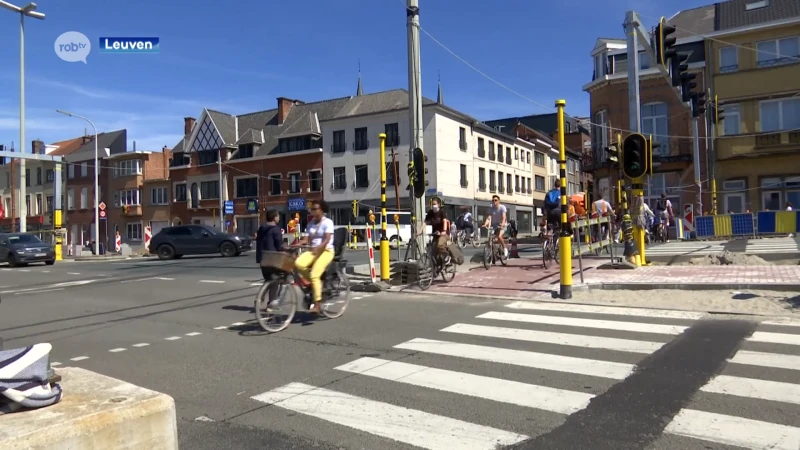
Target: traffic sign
102,206
102,214
228,207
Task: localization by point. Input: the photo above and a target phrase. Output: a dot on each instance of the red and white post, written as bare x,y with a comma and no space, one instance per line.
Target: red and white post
148,234
371,250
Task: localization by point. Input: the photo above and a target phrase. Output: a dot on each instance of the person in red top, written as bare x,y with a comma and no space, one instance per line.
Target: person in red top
437,219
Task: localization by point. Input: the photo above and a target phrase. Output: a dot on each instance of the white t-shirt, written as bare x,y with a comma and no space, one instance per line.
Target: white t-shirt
317,231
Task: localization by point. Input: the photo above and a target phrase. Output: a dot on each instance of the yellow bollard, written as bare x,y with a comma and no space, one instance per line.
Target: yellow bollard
565,238
385,272
59,238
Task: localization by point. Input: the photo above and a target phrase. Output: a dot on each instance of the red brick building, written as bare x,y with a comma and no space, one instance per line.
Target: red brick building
662,115
267,158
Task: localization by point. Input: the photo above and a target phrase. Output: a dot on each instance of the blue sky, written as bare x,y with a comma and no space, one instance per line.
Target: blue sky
239,56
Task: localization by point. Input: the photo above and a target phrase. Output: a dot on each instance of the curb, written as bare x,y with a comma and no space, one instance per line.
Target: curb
785,287
104,258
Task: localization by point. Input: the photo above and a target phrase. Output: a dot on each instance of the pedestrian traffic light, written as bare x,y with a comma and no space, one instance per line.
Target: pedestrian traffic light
613,154
665,44
698,104
716,112
634,156
417,173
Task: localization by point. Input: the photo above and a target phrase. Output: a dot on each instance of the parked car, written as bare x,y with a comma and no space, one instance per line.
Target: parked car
174,242
20,249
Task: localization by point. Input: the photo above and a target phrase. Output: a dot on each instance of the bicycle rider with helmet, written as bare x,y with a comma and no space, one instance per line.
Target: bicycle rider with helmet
552,206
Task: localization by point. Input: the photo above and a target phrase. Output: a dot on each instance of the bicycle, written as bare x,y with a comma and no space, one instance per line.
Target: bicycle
440,266
550,246
463,238
335,290
493,251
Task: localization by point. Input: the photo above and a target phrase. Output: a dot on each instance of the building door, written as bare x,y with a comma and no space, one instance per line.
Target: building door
157,225
734,203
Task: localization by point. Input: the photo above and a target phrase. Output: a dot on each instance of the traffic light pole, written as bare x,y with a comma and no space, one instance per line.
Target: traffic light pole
696,155
415,114
384,240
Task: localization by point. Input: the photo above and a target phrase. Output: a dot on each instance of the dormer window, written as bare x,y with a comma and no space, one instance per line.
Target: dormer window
600,65
756,5
245,151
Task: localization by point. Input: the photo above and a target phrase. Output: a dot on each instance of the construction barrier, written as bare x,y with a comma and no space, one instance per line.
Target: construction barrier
371,251
725,225
148,234
584,227
778,222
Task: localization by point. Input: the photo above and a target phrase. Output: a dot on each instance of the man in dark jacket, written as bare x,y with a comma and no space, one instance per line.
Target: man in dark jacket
269,239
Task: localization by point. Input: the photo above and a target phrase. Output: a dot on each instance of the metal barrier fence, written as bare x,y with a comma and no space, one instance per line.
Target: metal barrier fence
778,222
747,224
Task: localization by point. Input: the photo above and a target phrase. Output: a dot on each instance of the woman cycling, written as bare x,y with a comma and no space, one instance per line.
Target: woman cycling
313,263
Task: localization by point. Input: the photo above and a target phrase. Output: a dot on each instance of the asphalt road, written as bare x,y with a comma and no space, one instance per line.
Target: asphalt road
403,371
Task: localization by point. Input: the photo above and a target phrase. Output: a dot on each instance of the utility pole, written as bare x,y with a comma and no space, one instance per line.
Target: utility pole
635,113
221,199
696,155
415,110
396,199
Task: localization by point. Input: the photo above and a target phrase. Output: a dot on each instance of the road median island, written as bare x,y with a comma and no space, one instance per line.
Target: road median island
96,413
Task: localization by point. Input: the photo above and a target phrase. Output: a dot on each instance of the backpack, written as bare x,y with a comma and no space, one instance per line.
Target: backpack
460,221
661,205
553,198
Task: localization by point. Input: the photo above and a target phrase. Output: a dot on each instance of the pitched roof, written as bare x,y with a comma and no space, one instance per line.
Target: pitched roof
66,147
691,22
105,140
734,14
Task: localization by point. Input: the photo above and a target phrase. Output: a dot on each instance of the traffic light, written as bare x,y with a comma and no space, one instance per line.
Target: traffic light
417,173
665,44
613,154
716,112
634,156
698,104
678,67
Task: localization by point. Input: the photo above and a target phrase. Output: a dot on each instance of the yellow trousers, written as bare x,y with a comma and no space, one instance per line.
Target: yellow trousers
312,268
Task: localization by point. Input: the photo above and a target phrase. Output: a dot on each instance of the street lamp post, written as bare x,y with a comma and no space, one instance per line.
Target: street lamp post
29,11
96,182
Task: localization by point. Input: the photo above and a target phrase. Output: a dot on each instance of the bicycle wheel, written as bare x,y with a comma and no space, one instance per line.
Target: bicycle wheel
335,303
266,313
448,272
546,254
501,255
424,271
476,239
555,251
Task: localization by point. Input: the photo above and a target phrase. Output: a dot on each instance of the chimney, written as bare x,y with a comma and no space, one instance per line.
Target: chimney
134,145
284,106
37,147
86,139
188,124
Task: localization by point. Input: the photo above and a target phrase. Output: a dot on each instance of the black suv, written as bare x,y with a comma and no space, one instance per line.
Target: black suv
174,242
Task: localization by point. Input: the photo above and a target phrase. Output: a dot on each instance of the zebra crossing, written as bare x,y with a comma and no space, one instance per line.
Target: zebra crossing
536,359
749,246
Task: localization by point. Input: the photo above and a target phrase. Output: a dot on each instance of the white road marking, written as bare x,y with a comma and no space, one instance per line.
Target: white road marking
212,281
747,387
73,273
194,333
775,338
413,427
545,361
55,364
117,350
777,360
549,337
610,310
79,358
238,324
165,279
528,395
220,328
146,278
256,284
735,431
38,292
45,271
6,269
636,327
203,419
783,322
357,298
143,344
172,338
23,270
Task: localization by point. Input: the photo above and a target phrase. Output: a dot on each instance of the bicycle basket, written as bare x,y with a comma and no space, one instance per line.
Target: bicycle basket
277,260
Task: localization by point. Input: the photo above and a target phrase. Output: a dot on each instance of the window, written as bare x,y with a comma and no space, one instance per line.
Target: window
362,176
508,155
361,142
491,151
49,175
499,153
180,192
207,137
779,115
481,148
339,178
49,203
600,64
492,185
522,184
570,166
245,151
529,185
129,167
294,182
538,159
732,122
315,180
27,177
275,184
728,59
462,138
391,170
655,122
482,179
392,134
159,196
644,61
209,190
206,158
38,176
516,183
28,205
516,154
134,231
500,180
71,171
246,187
508,183
339,144
463,177
779,51
734,197
39,210
776,191
539,180
600,136
129,197
84,169
84,198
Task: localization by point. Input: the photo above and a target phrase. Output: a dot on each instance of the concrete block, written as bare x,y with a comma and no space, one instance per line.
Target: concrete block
96,413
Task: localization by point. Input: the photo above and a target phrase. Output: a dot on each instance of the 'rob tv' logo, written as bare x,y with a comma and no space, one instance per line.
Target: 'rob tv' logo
73,46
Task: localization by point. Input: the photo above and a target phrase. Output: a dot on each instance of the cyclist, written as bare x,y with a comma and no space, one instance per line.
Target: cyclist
497,220
269,239
552,206
464,222
313,263
437,219
664,211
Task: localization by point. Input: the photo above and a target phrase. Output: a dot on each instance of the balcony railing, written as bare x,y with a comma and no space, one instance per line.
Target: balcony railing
767,141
